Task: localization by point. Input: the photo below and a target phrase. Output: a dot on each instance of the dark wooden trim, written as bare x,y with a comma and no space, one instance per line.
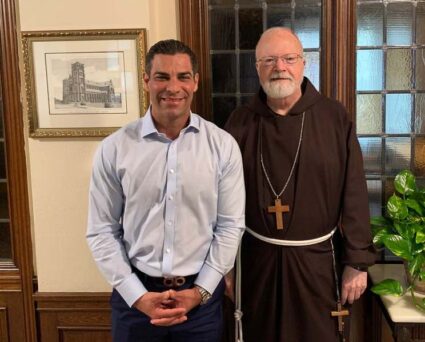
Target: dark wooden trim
10,280
344,27
16,162
327,58
193,16
70,300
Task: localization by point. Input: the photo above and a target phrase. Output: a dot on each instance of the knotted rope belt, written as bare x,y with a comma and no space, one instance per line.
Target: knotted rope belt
291,243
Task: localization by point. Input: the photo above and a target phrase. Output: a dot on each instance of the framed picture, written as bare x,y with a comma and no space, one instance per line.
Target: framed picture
83,83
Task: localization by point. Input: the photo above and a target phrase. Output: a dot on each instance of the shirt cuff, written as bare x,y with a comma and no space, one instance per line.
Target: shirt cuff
208,278
131,289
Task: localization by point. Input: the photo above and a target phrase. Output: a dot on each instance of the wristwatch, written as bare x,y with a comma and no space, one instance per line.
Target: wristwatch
205,295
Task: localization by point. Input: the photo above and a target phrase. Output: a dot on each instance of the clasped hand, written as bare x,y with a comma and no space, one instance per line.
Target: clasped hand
169,307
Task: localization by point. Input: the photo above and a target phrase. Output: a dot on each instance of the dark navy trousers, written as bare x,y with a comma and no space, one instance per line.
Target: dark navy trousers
204,322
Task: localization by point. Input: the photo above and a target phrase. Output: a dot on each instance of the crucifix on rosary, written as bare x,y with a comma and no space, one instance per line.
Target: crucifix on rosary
278,209
340,313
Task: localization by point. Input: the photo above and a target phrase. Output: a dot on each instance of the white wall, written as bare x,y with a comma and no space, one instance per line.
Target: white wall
59,169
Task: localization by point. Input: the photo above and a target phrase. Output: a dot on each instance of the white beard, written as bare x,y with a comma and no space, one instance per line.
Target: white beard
279,89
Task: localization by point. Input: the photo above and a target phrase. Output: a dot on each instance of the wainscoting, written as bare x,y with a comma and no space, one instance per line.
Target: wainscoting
73,317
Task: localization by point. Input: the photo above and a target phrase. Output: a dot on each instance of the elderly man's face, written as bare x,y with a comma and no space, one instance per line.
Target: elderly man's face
280,79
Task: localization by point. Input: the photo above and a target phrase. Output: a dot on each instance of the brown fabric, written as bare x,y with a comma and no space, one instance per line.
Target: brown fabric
288,293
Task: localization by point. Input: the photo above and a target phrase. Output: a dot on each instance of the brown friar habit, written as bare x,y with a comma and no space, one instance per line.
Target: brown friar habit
288,293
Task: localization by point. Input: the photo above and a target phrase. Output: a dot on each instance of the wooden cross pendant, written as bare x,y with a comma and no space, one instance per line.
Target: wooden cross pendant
340,313
278,209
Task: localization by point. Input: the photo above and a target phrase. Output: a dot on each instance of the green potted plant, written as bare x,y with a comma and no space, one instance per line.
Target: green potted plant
402,231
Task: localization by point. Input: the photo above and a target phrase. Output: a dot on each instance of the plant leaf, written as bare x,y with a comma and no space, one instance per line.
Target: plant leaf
397,208
388,287
415,266
405,183
399,246
380,236
380,221
405,230
412,204
420,236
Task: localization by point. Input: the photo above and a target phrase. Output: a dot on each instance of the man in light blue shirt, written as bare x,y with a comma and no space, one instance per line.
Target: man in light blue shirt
166,210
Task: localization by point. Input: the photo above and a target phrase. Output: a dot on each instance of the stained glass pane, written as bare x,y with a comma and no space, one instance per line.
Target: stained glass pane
2,161
279,1
249,2
222,2
246,99
397,155
419,162
420,69
372,154
248,76
5,243
1,120
307,26
370,18
369,114
308,2
420,113
224,73
420,23
375,197
250,27
222,107
389,188
399,23
369,69
399,69
279,17
4,209
223,35
398,113
312,68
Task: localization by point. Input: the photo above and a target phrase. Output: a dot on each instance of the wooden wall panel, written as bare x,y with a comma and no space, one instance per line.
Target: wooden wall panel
4,331
86,334
73,317
12,319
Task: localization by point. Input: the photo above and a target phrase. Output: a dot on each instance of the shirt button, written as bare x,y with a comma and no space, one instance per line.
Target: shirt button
170,197
167,250
171,170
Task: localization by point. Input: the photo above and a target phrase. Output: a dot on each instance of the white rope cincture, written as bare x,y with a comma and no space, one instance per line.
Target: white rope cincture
291,243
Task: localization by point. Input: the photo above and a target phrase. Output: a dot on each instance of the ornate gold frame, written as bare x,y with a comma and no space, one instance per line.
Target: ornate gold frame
31,37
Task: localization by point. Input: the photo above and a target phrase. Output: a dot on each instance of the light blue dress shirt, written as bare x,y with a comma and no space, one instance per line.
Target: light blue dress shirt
168,207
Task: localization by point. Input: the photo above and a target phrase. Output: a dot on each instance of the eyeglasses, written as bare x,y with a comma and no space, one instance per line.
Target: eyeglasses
290,58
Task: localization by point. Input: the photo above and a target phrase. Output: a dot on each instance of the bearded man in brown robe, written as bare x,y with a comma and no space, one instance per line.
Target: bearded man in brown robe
306,187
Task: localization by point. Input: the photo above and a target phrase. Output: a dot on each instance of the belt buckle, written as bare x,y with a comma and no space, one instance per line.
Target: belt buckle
174,282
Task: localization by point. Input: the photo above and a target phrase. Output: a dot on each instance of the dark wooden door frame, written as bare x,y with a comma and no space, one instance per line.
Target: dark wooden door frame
17,275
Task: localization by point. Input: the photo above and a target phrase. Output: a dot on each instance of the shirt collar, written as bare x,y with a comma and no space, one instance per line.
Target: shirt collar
148,127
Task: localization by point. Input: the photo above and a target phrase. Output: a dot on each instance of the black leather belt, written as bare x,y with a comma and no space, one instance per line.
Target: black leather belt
167,282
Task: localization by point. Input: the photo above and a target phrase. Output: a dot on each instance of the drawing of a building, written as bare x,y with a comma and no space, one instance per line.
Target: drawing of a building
77,89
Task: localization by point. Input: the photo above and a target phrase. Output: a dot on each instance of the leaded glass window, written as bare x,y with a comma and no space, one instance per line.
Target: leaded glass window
236,26
5,242
390,93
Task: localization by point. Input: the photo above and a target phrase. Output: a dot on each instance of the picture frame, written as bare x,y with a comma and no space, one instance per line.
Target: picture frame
83,83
